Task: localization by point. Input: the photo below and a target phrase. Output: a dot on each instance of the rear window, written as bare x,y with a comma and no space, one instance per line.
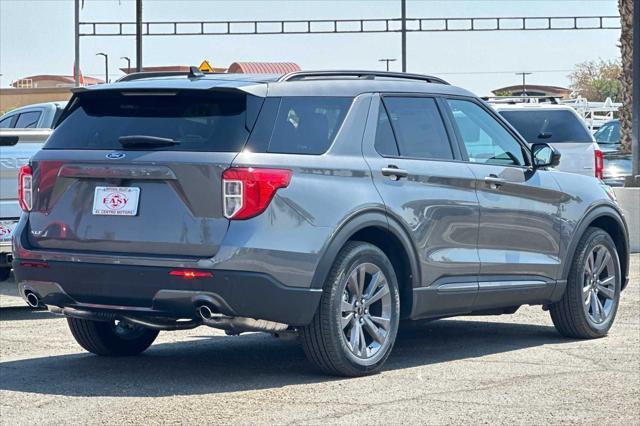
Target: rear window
193,120
307,125
549,125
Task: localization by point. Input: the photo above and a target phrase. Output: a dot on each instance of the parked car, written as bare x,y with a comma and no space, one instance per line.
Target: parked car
333,204
16,147
617,164
19,140
561,127
36,116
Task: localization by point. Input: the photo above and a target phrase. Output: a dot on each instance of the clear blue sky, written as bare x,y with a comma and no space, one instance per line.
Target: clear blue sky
36,37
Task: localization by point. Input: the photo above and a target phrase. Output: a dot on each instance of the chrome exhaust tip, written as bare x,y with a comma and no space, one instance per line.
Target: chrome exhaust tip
32,299
205,312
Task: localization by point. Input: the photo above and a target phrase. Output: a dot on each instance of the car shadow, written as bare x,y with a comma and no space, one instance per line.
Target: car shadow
219,364
25,313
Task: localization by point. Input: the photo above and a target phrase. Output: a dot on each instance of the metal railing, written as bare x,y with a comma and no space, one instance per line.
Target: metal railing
342,26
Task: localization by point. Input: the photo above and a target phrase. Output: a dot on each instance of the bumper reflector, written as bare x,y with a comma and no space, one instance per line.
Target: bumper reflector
189,273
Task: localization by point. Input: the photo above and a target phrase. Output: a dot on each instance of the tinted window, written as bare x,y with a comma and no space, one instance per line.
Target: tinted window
418,128
196,120
307,125
609,133
548,125
28,120
385,140
5,123
485,140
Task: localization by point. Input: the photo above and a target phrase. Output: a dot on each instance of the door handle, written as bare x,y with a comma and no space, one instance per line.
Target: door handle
494,181
394,172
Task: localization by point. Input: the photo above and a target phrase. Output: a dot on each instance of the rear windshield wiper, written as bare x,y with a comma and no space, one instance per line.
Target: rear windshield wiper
142,140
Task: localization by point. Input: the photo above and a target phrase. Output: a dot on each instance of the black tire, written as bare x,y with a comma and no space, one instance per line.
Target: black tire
325,341
108,339
569,315
5,271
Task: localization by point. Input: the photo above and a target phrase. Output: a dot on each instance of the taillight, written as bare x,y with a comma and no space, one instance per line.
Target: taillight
599,159
25,188
246,192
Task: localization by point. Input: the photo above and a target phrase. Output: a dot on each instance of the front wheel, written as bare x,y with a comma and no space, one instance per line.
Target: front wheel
111,338
590,302
355,327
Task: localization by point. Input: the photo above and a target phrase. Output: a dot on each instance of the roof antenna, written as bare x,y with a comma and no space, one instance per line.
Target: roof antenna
194,72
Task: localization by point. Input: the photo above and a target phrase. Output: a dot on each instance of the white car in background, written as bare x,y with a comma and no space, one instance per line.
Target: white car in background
559,126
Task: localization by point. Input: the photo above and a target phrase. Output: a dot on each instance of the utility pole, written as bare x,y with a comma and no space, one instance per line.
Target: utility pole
387,60
138,35
524,81
403,18
76,63
635,93
106,66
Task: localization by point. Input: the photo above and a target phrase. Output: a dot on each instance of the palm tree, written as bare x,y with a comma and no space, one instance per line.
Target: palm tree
626,78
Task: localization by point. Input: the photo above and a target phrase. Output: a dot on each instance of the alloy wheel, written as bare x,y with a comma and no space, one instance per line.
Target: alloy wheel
366,311
599,284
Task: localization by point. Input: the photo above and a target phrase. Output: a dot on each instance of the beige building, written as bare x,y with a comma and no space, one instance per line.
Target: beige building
533,90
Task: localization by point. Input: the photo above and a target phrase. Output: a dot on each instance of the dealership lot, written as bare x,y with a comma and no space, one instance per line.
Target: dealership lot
481,370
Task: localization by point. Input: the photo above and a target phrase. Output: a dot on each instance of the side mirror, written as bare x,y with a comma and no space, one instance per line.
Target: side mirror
544,155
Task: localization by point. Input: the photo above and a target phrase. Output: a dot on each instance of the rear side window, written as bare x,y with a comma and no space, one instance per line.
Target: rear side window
385,142
193,120
5,123
418,127
28,120
608,134
548,125
307,125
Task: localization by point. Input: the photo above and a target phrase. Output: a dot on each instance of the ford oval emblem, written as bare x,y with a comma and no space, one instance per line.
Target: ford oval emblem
115,155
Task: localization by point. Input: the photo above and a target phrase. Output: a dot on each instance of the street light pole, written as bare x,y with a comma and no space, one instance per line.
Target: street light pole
524,81
139,35
403,31
126,58
106,66
76,63
387,60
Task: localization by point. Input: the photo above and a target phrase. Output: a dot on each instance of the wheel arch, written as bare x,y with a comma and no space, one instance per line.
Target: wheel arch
377,228
611,221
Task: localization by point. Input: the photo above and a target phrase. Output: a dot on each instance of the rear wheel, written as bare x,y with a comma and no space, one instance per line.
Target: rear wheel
355,327
590,302
111,338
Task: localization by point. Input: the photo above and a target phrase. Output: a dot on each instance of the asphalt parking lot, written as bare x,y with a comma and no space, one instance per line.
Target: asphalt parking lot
506,369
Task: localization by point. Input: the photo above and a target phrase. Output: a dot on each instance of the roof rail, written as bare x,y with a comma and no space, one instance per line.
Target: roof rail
520,99
193,72
364,75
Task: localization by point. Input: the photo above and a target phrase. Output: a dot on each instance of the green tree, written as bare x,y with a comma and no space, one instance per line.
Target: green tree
597,80
626,80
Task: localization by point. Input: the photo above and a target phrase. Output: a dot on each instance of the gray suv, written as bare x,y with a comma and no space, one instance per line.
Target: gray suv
328,204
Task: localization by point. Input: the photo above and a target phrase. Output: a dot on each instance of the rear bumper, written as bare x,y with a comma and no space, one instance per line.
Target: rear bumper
151,291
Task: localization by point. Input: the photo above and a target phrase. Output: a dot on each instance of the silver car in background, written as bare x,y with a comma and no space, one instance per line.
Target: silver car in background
559,126
22,133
